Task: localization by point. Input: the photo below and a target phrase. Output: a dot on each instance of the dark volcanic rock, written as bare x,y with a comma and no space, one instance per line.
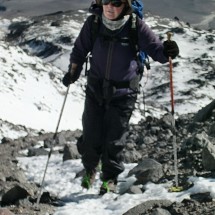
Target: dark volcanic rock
147,207
147,170
149,144
13,195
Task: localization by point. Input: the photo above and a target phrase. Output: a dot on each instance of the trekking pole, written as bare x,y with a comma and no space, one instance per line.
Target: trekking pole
169,34
144,103
51,149
147,68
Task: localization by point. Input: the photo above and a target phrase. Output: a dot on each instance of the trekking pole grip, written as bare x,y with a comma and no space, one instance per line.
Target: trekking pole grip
169,35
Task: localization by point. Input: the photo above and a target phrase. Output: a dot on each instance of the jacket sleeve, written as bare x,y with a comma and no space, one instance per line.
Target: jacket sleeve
82,46
150,43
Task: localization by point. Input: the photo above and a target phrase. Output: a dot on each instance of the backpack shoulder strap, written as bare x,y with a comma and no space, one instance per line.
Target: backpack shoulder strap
94,33
95,28
133,34
142,57
134,40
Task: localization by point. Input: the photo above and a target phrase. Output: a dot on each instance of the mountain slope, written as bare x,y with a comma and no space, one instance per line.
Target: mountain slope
34,54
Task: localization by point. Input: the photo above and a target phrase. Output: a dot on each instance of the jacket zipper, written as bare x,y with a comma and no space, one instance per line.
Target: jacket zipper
109,60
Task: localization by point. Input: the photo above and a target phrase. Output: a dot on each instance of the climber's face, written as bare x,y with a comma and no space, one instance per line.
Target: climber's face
112,8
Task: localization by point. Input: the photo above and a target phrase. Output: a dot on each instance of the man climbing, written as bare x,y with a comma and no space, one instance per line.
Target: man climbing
112,83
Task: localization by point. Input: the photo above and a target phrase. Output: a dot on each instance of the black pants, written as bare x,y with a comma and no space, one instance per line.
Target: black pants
105,129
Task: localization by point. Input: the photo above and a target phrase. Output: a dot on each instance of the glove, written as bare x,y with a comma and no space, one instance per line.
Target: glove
170,49
70,77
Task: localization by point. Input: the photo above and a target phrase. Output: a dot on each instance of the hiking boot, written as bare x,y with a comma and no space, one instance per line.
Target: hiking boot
108,186
88,179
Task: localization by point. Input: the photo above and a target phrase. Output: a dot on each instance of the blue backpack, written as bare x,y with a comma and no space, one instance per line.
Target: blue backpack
137,7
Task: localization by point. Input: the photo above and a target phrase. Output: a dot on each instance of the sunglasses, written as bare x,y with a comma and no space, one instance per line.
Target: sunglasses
114,3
